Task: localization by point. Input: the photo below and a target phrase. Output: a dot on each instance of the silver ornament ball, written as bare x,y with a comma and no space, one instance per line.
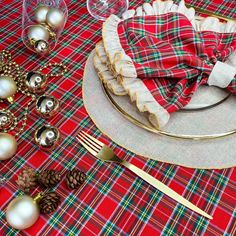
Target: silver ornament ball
41,47
8,87
40,13
22,212
55,18
38,32
8,146
35,82
47,137
47,106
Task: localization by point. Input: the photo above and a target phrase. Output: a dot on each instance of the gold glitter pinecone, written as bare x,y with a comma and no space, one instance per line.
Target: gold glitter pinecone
75,178
49,202
27,179
49,178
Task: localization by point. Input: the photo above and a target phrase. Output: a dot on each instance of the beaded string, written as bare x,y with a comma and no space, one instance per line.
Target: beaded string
12,69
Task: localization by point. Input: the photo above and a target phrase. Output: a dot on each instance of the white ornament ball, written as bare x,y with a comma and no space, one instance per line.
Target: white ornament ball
55,18
8,146
7,86
40,14
22,212
38,32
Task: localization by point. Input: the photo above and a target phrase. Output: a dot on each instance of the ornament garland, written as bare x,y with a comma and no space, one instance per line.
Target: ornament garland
13,80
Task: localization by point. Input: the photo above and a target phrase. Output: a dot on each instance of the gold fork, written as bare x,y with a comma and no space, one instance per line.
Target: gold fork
103,152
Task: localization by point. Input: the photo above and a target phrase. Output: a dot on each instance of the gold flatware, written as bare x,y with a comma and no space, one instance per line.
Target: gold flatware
103,152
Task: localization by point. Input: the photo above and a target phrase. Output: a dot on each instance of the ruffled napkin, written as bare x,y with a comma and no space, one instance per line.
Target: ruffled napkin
160,60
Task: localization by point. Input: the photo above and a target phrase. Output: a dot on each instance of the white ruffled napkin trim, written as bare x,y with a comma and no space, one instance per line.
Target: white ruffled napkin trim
159,7
122,68
100,60
123,65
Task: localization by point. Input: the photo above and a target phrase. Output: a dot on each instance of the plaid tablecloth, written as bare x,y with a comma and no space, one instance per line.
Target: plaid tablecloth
113,201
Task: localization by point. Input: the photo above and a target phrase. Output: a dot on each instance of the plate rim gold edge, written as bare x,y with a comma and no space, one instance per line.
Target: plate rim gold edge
161,132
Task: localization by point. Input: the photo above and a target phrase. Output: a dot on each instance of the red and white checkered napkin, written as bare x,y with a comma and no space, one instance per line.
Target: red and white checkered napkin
160,60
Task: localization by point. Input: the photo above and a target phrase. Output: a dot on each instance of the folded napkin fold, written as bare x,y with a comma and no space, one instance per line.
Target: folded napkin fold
161,60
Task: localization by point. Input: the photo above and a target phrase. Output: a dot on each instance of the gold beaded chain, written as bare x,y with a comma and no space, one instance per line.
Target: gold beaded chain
54,65
12,69
5,57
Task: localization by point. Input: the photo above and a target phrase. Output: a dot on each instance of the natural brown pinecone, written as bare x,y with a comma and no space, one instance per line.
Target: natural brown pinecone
75,178
49,202
49,178
27,179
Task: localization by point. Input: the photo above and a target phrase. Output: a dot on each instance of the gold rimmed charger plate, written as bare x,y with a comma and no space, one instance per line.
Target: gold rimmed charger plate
208,154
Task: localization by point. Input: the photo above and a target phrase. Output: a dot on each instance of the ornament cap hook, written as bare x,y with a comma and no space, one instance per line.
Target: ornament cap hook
38,197
10,100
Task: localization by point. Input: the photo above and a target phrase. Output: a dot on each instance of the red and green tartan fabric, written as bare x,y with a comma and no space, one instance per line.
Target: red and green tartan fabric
171,57
113,201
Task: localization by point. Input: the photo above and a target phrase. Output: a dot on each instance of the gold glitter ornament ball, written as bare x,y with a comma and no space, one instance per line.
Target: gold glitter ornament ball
22,212
8,146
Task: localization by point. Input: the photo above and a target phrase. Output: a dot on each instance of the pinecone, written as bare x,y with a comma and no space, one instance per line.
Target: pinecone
49,178
27,179
75,178
49,202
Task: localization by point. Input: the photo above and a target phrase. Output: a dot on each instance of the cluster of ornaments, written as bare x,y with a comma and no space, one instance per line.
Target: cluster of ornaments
47,22
46,203
34,83
46,136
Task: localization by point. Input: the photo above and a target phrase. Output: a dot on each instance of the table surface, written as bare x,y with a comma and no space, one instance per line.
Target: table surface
113,201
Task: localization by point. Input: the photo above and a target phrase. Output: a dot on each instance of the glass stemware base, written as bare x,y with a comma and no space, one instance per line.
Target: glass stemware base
102,9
